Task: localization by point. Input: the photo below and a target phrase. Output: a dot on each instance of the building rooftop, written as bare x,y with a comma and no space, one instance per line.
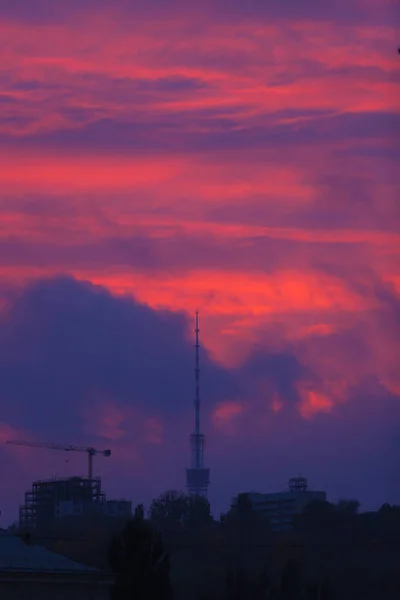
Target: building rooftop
15,555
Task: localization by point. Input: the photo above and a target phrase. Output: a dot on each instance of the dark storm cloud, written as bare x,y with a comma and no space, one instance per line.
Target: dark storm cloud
371,418
283,369
66,341
351,451
65,344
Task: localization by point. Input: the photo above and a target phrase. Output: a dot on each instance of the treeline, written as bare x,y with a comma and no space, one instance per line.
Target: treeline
177,550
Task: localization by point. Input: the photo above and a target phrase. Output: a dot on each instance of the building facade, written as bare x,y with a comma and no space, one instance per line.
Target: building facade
50,500
279,508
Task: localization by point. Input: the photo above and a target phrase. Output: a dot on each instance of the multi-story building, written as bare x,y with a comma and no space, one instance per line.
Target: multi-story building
53,499
279,508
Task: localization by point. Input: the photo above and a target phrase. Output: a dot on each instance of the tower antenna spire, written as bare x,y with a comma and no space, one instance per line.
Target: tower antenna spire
197,382
197,477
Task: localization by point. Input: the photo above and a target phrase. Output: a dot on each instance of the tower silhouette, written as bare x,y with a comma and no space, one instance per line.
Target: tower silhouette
197,477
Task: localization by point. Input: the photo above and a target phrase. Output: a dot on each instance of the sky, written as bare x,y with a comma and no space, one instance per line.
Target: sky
232,157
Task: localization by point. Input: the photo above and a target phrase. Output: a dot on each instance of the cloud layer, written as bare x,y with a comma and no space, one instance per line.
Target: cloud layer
238,158
78,364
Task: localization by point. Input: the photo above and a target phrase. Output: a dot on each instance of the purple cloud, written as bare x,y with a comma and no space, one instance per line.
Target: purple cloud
67,345
341,11
107,135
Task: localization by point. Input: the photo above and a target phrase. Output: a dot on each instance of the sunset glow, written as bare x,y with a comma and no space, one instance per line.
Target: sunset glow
243,163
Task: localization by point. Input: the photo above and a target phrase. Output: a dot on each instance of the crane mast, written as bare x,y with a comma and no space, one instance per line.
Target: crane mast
91,452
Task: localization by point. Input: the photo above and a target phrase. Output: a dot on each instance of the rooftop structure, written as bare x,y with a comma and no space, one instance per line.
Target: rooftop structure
197,477
15,555
279,508
29,571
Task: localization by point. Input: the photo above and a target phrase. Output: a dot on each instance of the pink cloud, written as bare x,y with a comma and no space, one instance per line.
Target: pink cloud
240,159
226,416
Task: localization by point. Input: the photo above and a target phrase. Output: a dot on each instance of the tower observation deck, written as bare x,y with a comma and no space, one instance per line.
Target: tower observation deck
197,477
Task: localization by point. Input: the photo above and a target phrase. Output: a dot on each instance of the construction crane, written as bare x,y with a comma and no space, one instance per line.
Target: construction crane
91,452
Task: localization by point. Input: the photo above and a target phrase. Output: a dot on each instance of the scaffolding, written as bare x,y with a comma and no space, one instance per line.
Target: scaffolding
51,499
298,484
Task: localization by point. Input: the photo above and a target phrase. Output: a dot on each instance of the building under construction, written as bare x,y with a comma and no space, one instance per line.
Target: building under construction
53,499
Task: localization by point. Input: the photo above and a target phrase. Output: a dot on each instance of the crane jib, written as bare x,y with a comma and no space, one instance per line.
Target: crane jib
67,448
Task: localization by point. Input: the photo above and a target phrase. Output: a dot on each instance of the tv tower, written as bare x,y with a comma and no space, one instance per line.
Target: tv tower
197,477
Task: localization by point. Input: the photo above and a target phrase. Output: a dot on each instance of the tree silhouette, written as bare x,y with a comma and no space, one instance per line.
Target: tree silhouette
348,507
174,510
319,508
244,516
138,558
198,512
318,519
139,512
237,585
291,584
168,510
326,590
